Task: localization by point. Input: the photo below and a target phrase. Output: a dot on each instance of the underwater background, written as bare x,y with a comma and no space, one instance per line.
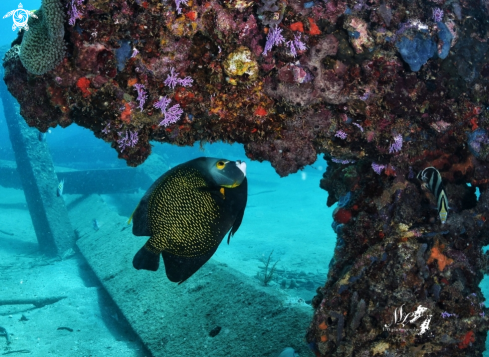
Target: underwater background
286,222
286,219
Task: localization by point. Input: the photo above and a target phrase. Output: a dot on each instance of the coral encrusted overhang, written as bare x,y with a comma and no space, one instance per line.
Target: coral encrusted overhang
378,87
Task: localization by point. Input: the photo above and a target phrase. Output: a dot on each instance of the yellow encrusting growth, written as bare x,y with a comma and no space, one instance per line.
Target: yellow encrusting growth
182,216
241,66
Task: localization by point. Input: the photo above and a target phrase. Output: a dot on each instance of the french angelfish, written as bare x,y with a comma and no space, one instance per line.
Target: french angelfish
432,178
187,212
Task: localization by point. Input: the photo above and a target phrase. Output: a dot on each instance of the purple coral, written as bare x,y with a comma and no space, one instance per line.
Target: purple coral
341,134
186,82
142,96
295,45
162,103
130,139
365,95
358,126
178,4
274,38
134,52
106,129
73,12
343,162
437,14
447,314
396,146
172,80
378,168
172,114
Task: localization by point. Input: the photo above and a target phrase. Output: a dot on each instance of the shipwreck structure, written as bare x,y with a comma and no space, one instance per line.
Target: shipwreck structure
383,89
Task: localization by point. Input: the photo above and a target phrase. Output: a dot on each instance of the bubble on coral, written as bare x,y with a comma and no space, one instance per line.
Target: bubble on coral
241,66
43,46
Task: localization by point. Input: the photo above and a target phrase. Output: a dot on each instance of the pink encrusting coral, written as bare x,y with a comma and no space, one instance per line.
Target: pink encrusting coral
360,37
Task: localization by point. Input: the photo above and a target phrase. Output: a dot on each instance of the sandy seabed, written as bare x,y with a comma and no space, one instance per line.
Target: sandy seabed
286,218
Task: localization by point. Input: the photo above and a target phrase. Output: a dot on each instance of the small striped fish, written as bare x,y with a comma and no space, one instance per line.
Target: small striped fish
432,178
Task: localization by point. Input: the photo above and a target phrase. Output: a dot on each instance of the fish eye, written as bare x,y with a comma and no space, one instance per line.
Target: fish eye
220,164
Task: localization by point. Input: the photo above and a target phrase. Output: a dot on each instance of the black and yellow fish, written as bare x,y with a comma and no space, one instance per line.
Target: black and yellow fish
432,178
187,212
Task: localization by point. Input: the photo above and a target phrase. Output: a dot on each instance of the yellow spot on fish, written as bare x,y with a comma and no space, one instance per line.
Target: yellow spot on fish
235,184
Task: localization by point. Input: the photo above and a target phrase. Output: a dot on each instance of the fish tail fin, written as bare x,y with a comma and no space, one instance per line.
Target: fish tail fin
178,269
144,259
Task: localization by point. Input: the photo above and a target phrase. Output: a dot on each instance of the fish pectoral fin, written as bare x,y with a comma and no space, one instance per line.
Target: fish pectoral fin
236,224
217,193
139,218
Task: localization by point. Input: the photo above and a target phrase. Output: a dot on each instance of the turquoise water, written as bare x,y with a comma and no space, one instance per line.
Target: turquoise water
286,219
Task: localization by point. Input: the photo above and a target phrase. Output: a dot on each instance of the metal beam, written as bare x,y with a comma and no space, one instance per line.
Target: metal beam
36,170
86,182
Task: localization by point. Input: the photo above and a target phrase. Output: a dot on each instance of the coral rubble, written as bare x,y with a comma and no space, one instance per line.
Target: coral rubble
383,88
